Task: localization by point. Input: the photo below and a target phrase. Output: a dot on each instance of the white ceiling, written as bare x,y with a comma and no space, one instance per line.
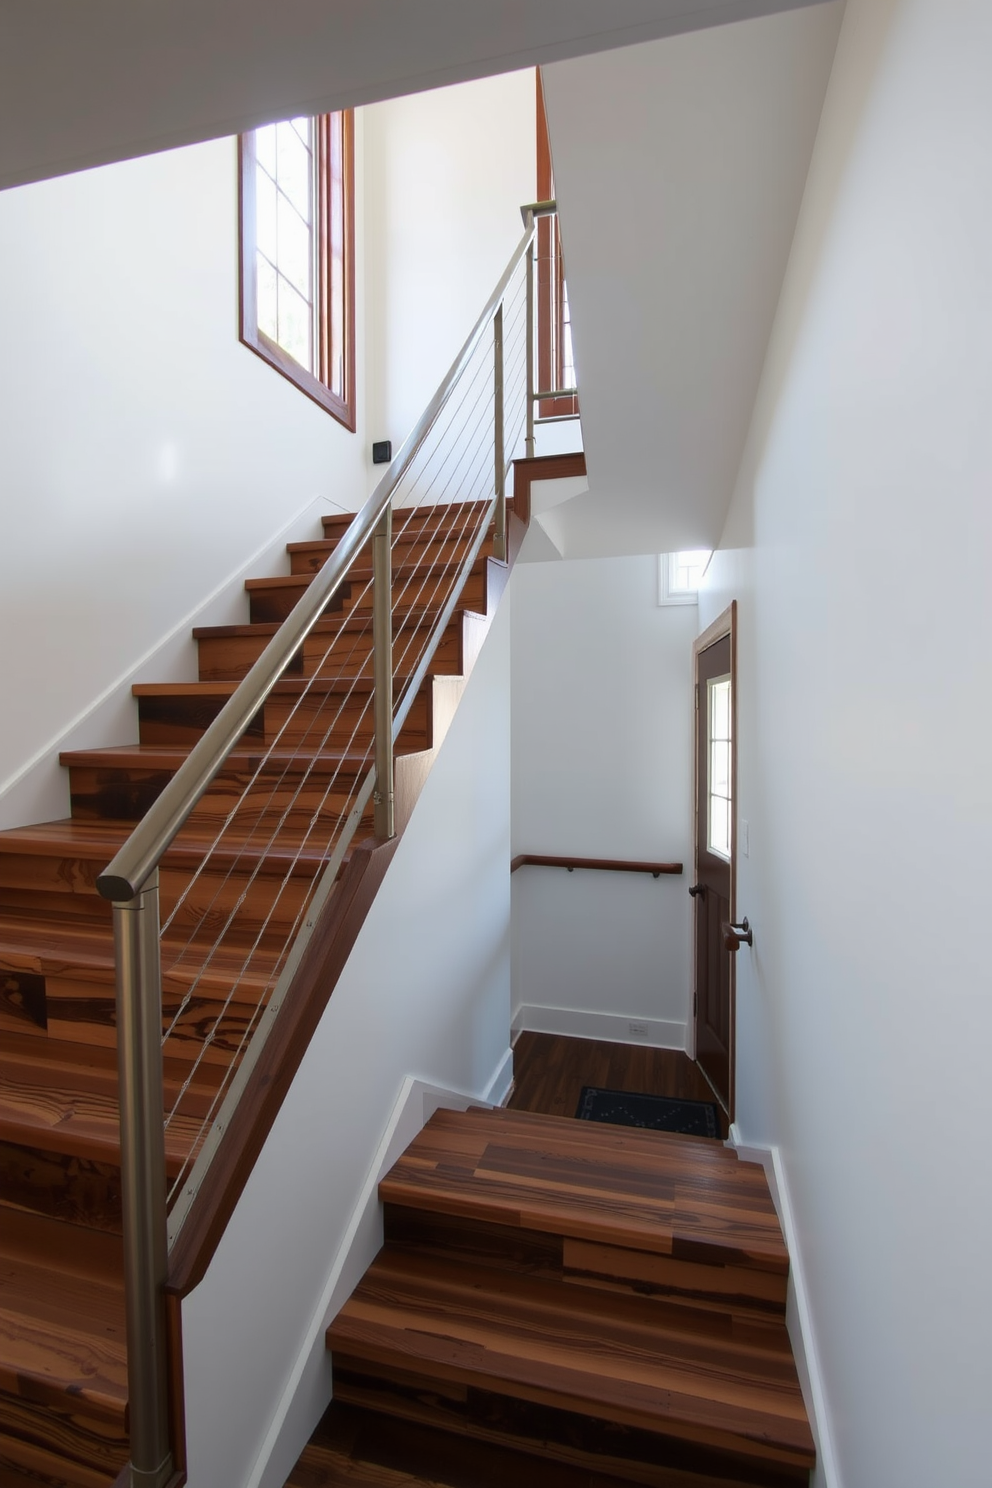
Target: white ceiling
84,82
679,171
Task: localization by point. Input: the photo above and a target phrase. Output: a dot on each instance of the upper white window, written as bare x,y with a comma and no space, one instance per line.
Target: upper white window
679,575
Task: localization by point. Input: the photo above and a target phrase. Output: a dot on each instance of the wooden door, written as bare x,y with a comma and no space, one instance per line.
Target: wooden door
713,887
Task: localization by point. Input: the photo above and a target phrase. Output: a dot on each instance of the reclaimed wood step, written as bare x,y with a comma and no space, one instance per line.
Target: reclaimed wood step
618,1208
410,519
297,711
51,1273
277,786
667,1370
274,598
59,1097
337,649
414,544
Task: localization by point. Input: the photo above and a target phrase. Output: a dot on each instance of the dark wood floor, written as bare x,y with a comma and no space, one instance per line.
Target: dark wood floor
550,1071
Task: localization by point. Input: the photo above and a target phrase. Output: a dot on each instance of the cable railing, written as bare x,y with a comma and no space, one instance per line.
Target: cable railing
270,798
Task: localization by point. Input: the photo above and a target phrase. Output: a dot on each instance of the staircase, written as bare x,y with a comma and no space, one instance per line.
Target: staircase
63,1390
567,1304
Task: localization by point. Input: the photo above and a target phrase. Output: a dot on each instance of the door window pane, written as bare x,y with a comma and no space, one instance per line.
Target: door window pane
718,786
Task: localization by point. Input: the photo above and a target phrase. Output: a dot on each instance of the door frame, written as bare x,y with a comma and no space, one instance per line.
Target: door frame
723,625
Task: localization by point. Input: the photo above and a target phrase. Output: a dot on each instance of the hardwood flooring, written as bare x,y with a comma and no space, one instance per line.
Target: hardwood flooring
550,1071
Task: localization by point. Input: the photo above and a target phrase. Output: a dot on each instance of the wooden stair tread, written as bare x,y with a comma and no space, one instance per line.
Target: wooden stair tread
665,1369
102,839
58,1105
38,944
593,1183
62,1313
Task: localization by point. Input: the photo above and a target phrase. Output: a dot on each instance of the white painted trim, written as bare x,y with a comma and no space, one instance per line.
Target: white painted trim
799,1317
155,660
612,1028
308,1388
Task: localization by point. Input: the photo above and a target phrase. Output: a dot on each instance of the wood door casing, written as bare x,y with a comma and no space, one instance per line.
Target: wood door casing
714,655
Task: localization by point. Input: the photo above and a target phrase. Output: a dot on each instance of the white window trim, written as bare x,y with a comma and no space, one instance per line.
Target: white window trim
668,594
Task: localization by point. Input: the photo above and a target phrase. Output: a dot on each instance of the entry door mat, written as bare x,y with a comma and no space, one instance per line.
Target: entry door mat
690,1118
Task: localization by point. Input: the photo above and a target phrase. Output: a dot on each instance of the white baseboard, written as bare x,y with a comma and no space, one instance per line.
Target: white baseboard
308,1388
799,1318
612,1028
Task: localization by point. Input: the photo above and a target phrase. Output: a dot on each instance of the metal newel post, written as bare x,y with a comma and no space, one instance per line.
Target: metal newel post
139,1063
529,440
499,539
382,648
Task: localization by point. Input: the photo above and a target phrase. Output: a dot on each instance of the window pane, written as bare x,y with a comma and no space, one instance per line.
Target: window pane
720,769
720,710
294,249
720,826
265,220
294,170
295,324
266,286
265,148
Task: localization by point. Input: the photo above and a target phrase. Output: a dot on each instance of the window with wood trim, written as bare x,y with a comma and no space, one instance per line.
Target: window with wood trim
555,362
297,254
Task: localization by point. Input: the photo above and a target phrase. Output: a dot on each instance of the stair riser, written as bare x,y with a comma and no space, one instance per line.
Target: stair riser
744,1292
85,1013
450,514
212,898
285,722
428,550
63,1186
126,795
581,1441
272,605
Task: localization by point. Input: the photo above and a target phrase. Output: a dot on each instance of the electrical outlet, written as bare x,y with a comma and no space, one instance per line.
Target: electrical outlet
637,1030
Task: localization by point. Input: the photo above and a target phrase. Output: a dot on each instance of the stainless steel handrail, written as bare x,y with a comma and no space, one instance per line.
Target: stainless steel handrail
131,883
137,859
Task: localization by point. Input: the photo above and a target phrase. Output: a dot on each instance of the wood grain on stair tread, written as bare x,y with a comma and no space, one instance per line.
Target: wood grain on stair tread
701,1377
62,1314
45,1446
597,1183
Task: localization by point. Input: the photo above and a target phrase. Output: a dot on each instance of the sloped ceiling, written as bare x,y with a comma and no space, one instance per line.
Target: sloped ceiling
84,82
679,171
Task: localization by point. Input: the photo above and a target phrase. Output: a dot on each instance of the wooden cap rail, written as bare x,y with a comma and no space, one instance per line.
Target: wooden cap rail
607,865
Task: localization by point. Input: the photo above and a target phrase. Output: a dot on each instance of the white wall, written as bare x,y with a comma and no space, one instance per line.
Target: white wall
446,175
145,453
601,768
864,1008
426,992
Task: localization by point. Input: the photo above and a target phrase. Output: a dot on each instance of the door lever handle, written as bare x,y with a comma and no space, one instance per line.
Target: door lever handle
734,936
697,889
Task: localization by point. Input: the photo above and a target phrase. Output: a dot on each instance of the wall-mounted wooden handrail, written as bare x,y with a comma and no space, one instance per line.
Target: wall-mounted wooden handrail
608,865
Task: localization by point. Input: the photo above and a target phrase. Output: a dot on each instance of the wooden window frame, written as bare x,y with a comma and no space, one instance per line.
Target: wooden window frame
336,238
550,281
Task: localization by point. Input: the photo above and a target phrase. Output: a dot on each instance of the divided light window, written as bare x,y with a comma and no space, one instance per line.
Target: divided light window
297,255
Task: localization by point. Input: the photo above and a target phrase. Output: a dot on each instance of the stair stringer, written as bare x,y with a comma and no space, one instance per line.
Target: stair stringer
425,992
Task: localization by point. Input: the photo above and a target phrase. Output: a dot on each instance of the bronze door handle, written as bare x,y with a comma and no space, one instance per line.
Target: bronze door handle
734,936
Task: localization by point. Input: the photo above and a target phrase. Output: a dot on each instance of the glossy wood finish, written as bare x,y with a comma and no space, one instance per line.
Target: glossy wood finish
550,1070
606,1299
542,467
59,1140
